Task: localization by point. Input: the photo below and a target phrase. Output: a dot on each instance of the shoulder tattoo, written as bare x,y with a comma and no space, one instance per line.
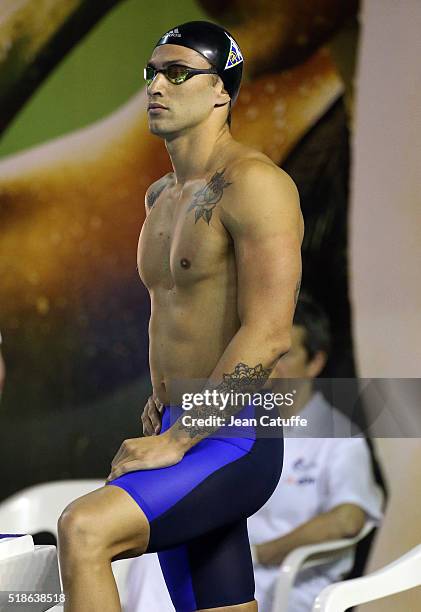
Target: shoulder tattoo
153,195
205,200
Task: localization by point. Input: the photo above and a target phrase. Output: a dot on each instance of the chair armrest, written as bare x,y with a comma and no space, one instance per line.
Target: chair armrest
15,545
300,558
400,575
36,570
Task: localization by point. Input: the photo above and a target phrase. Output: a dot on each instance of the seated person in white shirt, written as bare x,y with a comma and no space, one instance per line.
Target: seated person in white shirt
326,492
327,489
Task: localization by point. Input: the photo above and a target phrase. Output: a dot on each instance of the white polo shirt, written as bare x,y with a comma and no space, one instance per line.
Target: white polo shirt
318,474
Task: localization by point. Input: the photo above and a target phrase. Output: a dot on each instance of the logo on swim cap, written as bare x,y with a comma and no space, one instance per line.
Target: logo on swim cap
234,55
174,32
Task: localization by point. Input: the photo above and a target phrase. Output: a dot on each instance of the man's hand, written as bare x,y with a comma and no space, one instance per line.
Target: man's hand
152,416
146,454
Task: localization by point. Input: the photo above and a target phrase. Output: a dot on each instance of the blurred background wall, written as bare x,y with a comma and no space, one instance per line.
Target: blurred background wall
385,245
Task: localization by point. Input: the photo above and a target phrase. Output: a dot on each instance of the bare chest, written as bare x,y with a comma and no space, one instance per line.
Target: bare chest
183,240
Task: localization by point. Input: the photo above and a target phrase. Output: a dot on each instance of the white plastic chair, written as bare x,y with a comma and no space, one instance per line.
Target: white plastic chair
307,556
39,507
398,576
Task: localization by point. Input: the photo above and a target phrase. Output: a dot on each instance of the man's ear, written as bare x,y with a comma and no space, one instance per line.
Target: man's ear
223,96
316,365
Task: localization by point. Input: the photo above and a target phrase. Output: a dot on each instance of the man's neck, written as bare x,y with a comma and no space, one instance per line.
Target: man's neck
193,153
304,396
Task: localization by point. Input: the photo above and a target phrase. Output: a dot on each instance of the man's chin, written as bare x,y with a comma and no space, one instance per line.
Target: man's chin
158,129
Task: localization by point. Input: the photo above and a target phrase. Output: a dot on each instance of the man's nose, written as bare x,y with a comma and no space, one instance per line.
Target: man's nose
158,84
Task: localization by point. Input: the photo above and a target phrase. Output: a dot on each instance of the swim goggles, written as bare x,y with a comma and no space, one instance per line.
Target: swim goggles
175,73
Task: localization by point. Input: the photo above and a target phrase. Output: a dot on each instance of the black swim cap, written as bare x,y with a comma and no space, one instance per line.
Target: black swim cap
216,45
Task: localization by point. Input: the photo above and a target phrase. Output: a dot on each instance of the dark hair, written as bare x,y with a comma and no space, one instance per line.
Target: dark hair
313,318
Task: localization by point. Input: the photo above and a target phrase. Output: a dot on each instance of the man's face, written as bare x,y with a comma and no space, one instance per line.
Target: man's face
186,104
295,364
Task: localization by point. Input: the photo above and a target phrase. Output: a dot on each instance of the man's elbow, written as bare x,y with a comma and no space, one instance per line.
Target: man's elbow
352,519
282,340
278,343
275,342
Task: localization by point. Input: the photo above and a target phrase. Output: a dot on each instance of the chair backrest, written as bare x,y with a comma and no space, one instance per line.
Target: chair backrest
363,548
400,575
38,508
309,556
338,548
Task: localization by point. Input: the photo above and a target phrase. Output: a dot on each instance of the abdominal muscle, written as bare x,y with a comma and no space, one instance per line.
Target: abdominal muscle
188,333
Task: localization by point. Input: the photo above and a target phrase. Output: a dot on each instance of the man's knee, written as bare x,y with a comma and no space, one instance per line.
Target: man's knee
78,529
89,532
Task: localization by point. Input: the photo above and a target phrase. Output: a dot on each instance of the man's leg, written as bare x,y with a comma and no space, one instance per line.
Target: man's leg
211,573
94,529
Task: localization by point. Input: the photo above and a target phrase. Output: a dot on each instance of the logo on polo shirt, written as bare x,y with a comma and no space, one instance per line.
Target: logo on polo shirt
303,480
301,465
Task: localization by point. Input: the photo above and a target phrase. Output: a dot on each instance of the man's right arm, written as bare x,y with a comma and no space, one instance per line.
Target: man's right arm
352,495
343,521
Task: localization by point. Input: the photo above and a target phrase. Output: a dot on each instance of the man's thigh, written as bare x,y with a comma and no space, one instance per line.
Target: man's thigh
108,516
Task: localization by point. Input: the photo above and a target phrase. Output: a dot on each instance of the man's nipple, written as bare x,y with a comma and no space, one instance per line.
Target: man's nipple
185,263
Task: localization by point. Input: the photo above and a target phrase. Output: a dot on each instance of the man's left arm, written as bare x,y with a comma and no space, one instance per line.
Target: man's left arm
263,217
343,521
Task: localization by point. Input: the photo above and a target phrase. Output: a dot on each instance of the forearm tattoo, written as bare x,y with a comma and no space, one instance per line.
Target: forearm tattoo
154,195
205,200
244,379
